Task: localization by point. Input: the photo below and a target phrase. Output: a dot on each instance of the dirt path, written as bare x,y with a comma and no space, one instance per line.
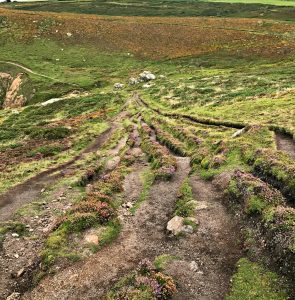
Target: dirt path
28,70
142,236
26,192
209,256
213,248
285,144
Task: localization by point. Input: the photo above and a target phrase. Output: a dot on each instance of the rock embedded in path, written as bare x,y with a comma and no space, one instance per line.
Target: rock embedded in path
187,229
194,266
175,225
92,238
14,296
112,163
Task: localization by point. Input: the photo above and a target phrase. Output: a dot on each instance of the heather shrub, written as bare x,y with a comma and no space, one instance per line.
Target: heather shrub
144,283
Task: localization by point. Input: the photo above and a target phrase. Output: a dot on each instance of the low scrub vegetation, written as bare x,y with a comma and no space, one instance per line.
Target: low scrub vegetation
145,283
162,162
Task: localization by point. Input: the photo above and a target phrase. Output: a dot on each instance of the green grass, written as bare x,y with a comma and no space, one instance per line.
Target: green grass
251,9
252,281
163,260
147,178
270,2
184,206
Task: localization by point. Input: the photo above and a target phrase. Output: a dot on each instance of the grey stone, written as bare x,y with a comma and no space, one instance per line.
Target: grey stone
175,225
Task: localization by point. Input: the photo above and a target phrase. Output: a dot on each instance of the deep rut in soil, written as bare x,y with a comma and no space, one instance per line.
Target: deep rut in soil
214,247
26,192
142,236
285,144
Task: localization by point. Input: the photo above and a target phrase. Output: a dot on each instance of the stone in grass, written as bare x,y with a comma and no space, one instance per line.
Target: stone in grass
187,229
194,266
147,76
118,86
112,163
127,205
175,225
92,238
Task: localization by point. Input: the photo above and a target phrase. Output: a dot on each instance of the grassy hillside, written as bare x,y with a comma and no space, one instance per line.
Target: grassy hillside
102,151
253,9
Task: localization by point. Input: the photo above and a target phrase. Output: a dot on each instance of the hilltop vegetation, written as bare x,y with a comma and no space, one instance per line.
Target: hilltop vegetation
105,168
267,9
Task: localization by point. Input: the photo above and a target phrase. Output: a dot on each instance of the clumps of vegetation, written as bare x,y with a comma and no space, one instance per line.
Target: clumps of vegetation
185,204
253,194
91,174
166,138
110,183
45,151
92,211
277,169
265,210
162,162
163,260
146,282
49,133
15,227
87,213
147,178
252,281
170,142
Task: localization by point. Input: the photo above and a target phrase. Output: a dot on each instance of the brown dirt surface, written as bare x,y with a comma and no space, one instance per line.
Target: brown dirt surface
31,189
214,248
285,144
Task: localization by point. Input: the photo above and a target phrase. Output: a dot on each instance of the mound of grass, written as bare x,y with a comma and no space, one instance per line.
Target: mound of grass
253,281
185,203
163,163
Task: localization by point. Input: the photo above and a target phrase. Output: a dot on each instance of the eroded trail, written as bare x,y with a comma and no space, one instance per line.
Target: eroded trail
212,250
142,236
285,144
209,255
26,192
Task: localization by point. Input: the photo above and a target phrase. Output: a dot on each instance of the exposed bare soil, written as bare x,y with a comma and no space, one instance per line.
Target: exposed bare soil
31,189
214,248
285,144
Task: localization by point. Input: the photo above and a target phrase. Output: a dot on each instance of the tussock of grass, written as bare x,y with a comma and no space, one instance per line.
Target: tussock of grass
252,281
147,178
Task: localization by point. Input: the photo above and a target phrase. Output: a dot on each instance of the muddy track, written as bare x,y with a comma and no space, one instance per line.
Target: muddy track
286,144
26,192
213,247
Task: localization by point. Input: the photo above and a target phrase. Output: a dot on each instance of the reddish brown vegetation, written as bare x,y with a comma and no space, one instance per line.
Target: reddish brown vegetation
157,37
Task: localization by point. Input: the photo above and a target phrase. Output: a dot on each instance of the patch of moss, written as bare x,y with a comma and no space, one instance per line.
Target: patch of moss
252,281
